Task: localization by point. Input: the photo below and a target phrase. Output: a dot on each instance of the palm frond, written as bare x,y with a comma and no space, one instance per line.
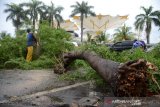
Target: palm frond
140,16
156,21
149,10
145,10
74,12
59,9
123,33
155,14
78,4
92,13
59,18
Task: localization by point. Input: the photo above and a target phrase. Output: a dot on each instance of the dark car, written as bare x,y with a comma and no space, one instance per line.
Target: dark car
120,46
73,33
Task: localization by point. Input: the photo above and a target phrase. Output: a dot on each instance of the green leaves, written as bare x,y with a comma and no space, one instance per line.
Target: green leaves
16,14
11,48
146,19
123,33
83,9
53,41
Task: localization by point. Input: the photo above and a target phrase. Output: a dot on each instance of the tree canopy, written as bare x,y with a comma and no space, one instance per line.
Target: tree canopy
84,10
144,21
16,13
123,33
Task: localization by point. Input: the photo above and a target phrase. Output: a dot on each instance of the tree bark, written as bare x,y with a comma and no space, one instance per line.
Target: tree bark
82,17
128,79
148,31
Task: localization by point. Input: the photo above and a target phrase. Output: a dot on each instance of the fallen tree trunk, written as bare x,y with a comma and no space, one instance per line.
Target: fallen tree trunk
128,79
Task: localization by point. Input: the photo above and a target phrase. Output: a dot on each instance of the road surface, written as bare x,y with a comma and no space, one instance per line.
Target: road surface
42,88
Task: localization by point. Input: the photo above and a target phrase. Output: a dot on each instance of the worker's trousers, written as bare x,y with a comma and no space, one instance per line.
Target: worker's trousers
29,53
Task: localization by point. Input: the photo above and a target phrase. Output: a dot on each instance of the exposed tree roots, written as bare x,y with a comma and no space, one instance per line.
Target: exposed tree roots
127,79
132,79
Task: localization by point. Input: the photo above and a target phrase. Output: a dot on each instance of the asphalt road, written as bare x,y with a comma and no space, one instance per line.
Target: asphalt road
17,83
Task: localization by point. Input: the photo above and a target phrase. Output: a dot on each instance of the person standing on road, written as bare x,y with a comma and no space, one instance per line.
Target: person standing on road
31,41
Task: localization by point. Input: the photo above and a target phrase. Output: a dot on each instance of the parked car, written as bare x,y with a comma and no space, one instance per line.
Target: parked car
123,45
73,33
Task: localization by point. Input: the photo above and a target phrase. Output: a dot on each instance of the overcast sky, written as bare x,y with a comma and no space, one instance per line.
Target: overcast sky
111,7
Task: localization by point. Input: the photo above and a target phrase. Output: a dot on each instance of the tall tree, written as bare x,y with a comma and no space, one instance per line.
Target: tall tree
43,13
144,21
54,14
123,33
16,14
34,8
84,10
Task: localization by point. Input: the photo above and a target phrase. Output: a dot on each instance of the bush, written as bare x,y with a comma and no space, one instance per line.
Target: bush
155,52
53,41
11,64
11,48
43,62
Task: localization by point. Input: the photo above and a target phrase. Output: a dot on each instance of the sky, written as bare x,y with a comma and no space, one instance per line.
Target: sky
105,7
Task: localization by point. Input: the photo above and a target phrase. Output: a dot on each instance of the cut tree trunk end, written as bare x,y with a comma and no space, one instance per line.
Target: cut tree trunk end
132,79
126,80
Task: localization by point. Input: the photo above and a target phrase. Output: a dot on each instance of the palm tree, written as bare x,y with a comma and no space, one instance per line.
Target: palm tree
43,13
103,37
84,10
16,14
54,13
123,33
59,19
146,20
34,8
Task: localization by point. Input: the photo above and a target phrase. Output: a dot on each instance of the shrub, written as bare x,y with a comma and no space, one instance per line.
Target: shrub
155,52
11,64
53,41
11,48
